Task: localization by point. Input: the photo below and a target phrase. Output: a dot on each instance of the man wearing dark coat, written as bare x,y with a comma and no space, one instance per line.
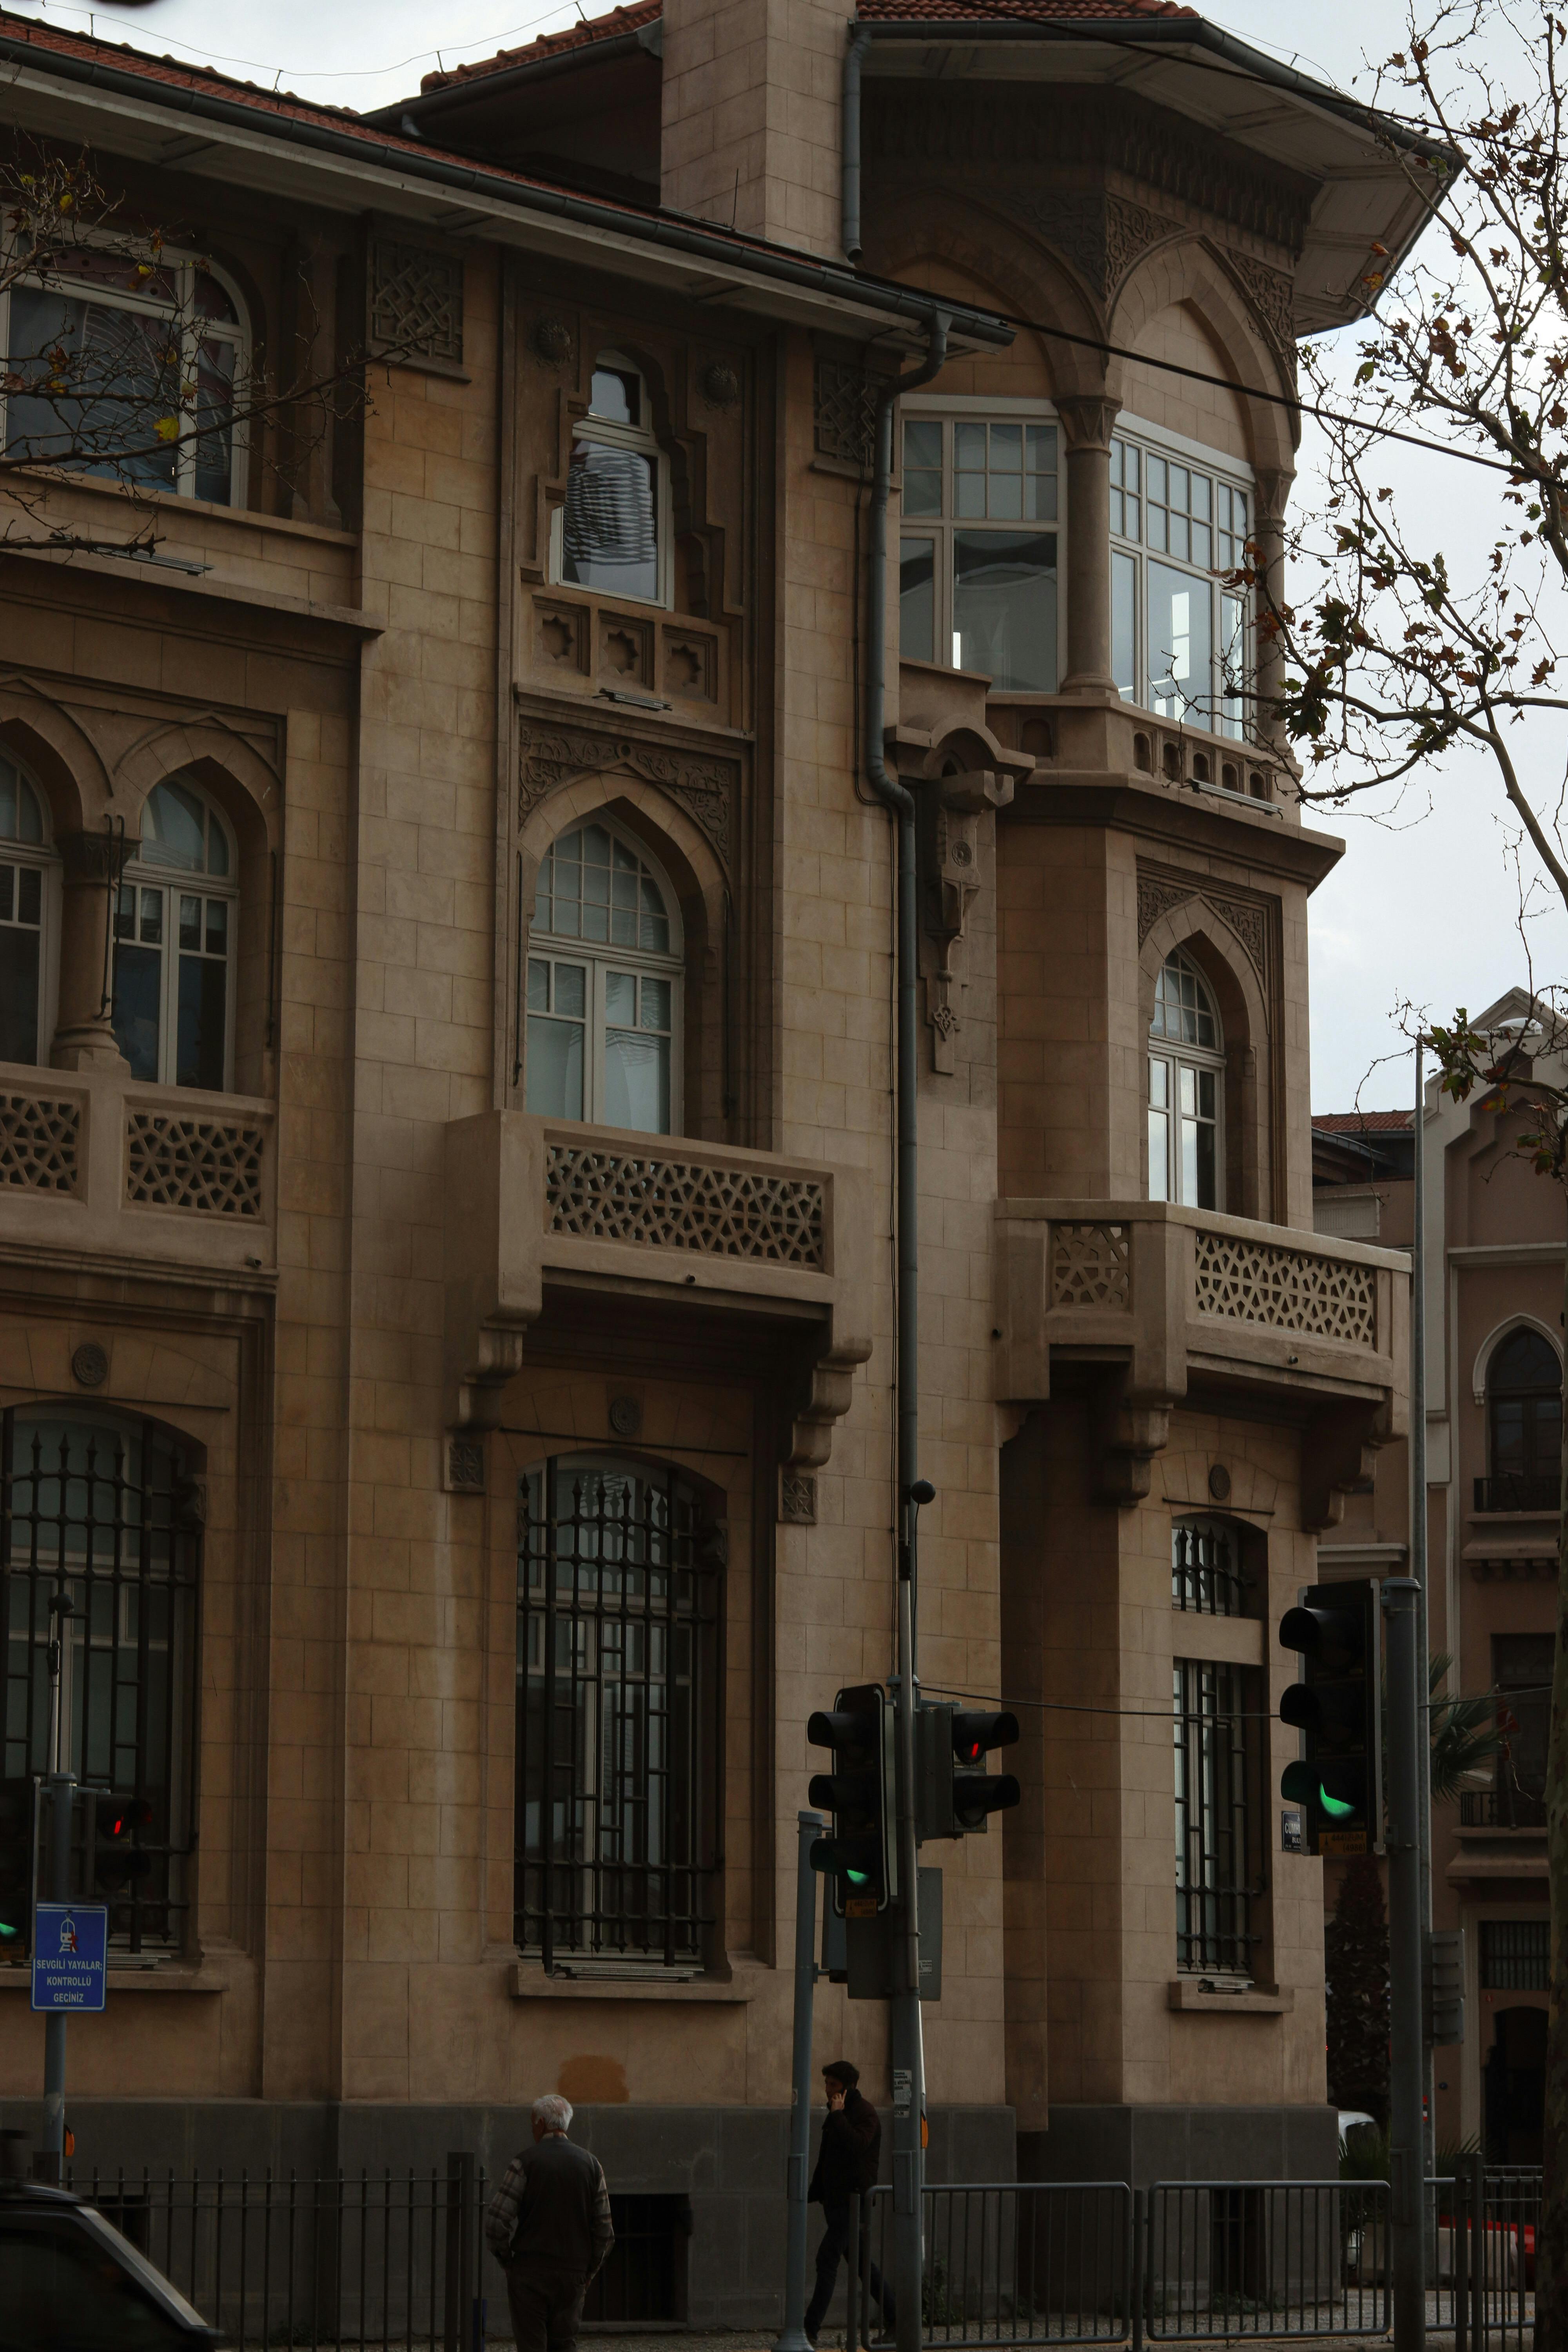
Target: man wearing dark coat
846,2167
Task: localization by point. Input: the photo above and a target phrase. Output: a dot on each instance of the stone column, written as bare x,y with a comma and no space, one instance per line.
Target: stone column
84,1035
1088,423
1268,532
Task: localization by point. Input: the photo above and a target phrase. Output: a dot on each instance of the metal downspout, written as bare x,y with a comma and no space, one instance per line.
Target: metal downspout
859,42
909,2110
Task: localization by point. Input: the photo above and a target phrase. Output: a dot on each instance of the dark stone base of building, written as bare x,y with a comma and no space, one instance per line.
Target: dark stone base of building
1140,2145
728,2162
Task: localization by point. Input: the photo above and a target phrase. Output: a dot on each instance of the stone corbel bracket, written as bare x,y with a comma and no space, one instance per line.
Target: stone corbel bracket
509,1236
954,806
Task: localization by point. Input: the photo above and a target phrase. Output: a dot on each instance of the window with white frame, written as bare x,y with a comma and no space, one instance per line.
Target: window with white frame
604,986
1181,642
977,554
25,914
175,930
611,533
127,367
1186,1089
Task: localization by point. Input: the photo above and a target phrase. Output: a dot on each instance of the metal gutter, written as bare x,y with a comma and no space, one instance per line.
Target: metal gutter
776,264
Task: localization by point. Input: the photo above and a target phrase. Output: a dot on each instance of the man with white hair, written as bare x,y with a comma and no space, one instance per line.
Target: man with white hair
549,2227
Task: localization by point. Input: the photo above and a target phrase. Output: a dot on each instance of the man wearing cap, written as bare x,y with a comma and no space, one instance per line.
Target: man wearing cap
846,2167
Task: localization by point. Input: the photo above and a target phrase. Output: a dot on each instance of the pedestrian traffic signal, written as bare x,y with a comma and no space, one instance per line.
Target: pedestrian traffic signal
953,1791
1337,1708
861,1854
15,1867
119,1864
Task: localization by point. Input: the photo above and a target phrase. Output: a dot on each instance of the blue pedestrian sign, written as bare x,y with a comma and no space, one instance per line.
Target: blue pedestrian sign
71,1955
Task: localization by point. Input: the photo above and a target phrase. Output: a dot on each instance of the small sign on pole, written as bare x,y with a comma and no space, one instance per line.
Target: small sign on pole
71,1955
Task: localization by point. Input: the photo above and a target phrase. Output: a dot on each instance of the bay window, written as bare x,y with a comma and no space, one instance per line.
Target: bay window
977,558
175,943
1180,639
153,348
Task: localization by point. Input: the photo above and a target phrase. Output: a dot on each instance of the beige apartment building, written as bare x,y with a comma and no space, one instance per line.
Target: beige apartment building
1494,1412
447,1131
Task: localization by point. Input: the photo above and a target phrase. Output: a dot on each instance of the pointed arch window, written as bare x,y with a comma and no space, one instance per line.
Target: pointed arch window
174,936
604,986
26,915
612,533
1186,1089
1524,1424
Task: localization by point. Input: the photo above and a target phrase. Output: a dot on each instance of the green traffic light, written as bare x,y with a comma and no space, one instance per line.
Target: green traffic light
6,1929
1335,1807
858,1877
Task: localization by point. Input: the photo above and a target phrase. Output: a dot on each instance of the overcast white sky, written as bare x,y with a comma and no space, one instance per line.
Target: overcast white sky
1424,908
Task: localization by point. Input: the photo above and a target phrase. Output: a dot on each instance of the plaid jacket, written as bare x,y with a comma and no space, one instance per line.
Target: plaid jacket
508,2215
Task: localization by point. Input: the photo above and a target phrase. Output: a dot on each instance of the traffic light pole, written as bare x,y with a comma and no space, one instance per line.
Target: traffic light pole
793,2337
1407,2168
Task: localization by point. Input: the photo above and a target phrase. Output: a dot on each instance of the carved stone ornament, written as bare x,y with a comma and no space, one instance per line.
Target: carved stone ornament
721,386
1100,237
416,300
1131,231
951,831
1272,296
1087,421
845,413
551,341
797,1498
89,1365
624,1416
465,1466
548,757
1157,896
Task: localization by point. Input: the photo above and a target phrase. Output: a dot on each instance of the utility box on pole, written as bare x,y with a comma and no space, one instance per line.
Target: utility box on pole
1443,1989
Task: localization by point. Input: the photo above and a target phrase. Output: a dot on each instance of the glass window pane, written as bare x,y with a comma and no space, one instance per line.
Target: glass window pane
1186,1081
613,394
917,599
121,372
922,466
1181,655
1123,625
1005,607
1118,513
1203,547
152,917
203,999
174,829
1156,483
572,990
923,441
1199,500
969,496
217,927
213,448
1189,1168
1005,497
1040,497
621,997
1159,1150
968,446
609,533
1206,1180
137,1008
656,1002
555,1088
1178,490
7,894
1206,1094
190,922
1180,542
18,996
538,984
1159,1083
1157,532
1042,449
637,1081
1233,663
1135,526
1006,448
655,930
29,896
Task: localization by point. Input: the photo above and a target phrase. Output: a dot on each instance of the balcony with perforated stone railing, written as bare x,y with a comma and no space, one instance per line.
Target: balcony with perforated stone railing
550,1223
99,1165
1168,1301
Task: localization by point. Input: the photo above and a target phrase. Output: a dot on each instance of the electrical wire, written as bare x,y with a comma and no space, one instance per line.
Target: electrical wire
305,73
1158,1714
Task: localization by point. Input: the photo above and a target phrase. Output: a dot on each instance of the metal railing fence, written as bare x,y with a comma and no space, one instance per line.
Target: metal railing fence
1223,2259
1007,2261
367,2260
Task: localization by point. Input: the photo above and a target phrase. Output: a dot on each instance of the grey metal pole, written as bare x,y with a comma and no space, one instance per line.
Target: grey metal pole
793,2337
1418,1570
1407,2167
62,1797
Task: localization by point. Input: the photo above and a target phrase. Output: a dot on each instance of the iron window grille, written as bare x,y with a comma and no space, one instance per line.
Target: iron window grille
104,1511
1218,1873
1516,1955
1205,1574
618,1621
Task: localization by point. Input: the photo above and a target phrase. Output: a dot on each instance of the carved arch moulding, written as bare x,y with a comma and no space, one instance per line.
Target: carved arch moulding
550,756
1159,894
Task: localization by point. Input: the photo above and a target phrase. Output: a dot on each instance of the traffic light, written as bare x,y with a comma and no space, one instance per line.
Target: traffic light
15,1867
861,1854
955,1793
1337,1708
118,1864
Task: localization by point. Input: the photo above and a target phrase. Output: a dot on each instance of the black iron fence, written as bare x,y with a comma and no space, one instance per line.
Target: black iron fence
1200,2262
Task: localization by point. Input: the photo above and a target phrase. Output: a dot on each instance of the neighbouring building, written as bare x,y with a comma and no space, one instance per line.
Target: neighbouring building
448,1122
1494,1291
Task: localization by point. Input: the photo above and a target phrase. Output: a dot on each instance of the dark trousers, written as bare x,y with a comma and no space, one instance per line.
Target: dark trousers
546,2305
834,2246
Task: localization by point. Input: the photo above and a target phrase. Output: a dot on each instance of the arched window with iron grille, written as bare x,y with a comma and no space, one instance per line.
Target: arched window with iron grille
1524,1425
102,1511
617,1618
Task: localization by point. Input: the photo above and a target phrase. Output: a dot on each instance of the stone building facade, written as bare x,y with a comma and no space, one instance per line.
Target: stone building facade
1494,1412
448,1261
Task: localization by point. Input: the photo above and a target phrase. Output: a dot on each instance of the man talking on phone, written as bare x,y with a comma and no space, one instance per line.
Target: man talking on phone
846,2167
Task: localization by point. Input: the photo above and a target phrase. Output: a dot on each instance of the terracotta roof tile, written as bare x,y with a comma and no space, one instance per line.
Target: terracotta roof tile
872,12
1363,1122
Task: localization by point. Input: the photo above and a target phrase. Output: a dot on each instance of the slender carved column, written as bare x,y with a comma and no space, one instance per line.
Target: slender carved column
84,1036
1268,531
1088,423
